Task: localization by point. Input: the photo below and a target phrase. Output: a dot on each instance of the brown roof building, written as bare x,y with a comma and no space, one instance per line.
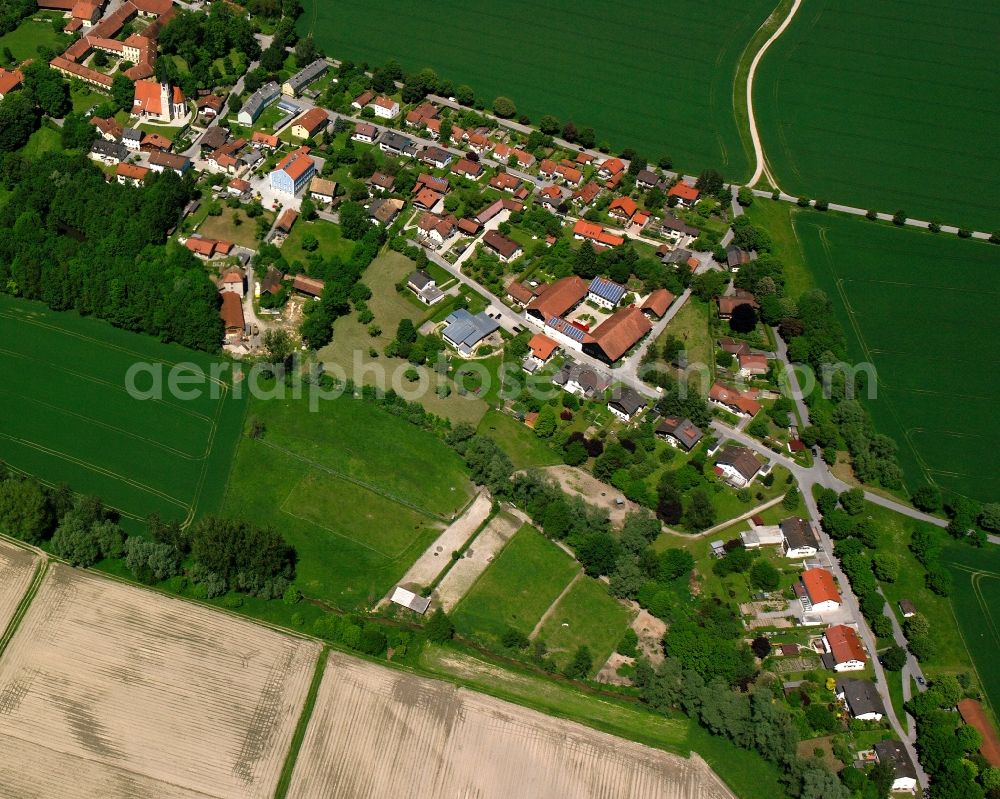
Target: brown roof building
558,298
616,336
657,302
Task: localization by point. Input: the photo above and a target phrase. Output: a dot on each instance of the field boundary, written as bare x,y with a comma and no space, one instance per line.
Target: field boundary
41,570
295,747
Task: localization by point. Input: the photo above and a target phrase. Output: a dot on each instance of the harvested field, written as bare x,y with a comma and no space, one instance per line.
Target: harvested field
477,557
107,690
377,732
17,567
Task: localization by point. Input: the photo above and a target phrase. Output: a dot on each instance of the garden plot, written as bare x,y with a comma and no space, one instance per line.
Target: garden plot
112,691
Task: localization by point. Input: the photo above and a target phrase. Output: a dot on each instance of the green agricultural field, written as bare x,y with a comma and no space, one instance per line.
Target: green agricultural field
515,591
888,106
921,308
586,616
68,417
669,91
976,600
357,514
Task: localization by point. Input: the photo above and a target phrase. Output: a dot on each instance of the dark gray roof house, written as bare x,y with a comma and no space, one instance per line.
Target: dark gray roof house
419,280
740,459
671,222
258,101
297,82
894,753
109,150
397,144
589,381
683,431
647,178
735,257
798,534
626,402
861,698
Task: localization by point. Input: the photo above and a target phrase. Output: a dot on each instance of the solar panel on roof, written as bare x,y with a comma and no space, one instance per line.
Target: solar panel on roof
564,327
607,289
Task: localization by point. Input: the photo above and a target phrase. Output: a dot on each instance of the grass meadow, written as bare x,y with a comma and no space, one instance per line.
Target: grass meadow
32,33
525,449
359,493
586,616
515,591
884,106
921,307
68,417
659,78
976,600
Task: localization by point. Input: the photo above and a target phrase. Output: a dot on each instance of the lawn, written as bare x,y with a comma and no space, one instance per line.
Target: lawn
683,108
976,601
524,448
691,325
44,140
776,218
586,616
25,40
921,308
358,515
68,416
515,591
352,345
224,227
84,98
331,242
886,106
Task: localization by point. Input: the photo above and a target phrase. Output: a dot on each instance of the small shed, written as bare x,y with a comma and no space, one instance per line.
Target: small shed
408,599
718,548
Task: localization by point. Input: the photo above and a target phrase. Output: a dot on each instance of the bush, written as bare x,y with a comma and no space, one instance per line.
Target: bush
579,668
764,576
628,646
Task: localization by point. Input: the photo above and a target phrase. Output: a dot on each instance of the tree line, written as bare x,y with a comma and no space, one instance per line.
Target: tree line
215,554
105,257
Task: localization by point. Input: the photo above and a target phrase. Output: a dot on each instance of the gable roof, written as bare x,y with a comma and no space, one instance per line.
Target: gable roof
683,191
613,166
820,586
730,302
844,644
131,171
10,80
741,459
619,333
558,297
503,245
286,220
798,533
861,696
682,429
740,400
626,205
607,290
658,301
520,292
542,346
587,193
894,753
322,186
594,232
231,311
308,285
312,120
627,399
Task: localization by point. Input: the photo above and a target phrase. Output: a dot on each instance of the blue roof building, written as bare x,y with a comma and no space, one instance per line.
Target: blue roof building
605,293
